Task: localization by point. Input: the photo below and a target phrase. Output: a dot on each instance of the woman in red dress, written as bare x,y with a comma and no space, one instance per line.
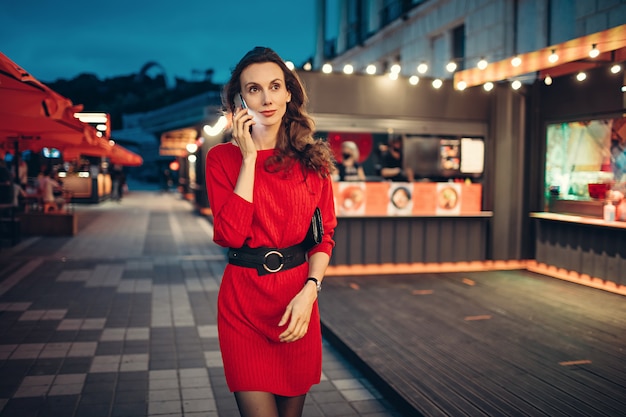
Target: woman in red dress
264,187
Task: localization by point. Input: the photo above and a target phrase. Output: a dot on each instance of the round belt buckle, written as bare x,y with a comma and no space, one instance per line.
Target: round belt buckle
281,257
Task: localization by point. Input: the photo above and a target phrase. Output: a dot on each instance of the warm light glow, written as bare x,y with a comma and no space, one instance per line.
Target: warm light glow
99,134
62,174
616,68
219,127
371,69
327,68
581,76
348,69
451,66
395,68
488,86
307,66
111,142
437,83
91,117
482,64
624,89
548,80
461,85
192,158
83,174
594,52
553,57
393,75
191,147
516,85
516,61
101,127
290,65
422,68
414,80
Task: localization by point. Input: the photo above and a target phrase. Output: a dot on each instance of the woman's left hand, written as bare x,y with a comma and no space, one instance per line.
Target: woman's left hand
298,313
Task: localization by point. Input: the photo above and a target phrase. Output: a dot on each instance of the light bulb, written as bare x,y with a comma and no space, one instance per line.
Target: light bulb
553,57
437,83
371,69
451,66
594,51
616,68
327,68
414,80
422,68
348,69
461,85
516,85
516,61
548,80
482,64
581,76
488,86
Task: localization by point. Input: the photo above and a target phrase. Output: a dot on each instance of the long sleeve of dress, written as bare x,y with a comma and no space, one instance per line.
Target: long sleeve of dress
232,214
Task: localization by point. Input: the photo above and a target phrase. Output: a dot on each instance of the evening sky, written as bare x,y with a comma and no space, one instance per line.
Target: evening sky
65,38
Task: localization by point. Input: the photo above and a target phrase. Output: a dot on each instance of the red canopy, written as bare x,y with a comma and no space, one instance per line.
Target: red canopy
21,93
21,133
117,154
33,116
122,156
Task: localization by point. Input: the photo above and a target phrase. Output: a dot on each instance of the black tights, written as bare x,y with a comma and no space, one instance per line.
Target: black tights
266,404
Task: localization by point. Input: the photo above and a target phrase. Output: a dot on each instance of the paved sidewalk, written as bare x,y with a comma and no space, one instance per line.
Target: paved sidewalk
120,321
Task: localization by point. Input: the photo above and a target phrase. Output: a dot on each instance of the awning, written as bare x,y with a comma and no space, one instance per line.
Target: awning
122,156
21,93
117,154
20,133
573,56
33,116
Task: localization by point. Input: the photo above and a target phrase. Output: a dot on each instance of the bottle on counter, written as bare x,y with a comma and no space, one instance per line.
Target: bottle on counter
609,212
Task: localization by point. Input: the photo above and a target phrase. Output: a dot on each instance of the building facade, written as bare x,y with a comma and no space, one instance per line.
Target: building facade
437,32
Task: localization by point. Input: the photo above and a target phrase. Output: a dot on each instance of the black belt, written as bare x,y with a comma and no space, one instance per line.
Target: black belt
267,260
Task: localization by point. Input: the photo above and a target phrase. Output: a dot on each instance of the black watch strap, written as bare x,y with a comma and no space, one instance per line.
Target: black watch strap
318,284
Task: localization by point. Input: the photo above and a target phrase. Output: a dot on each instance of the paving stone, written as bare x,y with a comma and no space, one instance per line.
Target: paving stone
120,320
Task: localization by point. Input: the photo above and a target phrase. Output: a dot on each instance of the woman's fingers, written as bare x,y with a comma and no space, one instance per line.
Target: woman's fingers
298,326
242,121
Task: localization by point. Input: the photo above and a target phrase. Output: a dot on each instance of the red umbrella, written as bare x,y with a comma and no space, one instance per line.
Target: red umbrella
33,116
122,156
22,93
101,147
20,133
117,154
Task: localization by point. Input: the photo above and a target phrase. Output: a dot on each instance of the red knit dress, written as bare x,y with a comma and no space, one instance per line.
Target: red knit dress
251,306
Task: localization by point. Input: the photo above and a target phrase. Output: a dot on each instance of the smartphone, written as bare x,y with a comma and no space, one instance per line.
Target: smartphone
242,104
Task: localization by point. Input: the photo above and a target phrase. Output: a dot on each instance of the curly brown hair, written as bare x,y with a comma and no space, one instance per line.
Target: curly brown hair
295,141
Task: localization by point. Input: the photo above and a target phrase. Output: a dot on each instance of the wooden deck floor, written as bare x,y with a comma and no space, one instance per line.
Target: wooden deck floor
497,343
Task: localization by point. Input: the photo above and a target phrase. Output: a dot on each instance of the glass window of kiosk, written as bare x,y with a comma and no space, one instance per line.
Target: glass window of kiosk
432,158
585,159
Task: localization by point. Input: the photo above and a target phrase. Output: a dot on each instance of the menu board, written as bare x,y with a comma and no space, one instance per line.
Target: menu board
406,199
473,151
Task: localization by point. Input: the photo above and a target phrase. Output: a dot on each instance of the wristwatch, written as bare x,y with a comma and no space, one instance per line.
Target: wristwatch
317,282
